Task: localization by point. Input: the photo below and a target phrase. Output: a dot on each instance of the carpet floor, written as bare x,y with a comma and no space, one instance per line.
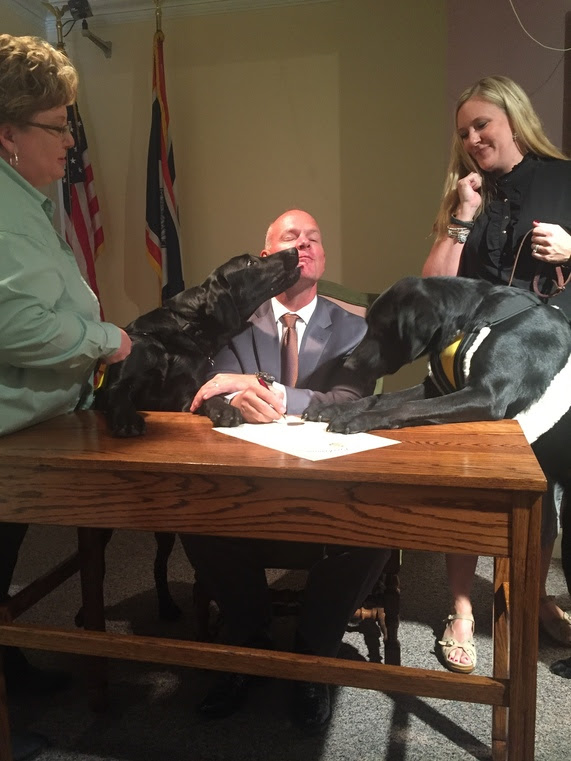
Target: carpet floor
152,715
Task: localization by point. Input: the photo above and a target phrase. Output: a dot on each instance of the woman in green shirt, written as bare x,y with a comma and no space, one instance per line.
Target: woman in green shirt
51,335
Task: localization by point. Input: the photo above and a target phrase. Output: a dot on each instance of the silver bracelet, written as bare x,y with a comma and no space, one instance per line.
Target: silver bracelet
459,234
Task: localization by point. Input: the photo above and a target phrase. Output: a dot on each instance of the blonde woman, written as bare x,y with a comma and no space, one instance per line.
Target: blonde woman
508,189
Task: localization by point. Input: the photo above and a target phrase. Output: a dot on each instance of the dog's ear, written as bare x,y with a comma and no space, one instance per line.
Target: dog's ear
418,324
220,305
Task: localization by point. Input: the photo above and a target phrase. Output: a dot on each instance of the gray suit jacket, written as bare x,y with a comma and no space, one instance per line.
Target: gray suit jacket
330,336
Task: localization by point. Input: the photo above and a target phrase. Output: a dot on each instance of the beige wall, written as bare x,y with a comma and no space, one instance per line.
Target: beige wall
335,107
509,51
330,107
12,22
313,106
341,107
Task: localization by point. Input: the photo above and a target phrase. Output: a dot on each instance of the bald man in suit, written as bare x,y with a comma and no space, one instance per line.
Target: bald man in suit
233,570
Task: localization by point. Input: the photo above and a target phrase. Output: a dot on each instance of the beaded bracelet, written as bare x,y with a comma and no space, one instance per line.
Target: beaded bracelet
459,234
455,221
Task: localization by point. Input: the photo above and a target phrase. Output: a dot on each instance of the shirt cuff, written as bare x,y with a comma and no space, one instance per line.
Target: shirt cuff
283,389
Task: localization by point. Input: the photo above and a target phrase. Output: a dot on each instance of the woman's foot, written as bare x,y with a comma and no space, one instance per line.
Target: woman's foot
457,643
554,621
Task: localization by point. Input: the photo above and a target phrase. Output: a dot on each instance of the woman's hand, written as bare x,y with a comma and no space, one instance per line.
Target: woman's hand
550,243
469,197
123,351
223,383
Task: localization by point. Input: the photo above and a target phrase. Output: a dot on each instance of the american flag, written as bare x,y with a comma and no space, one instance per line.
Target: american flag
162,233
82,222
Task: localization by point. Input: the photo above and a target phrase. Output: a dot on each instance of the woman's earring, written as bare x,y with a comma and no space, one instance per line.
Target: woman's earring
515,137
14,160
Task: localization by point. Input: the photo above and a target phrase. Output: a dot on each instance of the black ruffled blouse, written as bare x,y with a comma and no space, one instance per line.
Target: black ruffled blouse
537,188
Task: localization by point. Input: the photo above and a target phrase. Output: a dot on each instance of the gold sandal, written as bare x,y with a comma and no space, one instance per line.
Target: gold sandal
468,646
559,629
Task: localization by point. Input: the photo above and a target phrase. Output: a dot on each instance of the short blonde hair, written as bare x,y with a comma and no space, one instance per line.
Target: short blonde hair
526,125
34,77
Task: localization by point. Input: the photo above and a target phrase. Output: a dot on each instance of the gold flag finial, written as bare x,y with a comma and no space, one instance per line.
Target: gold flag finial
58,13
158,14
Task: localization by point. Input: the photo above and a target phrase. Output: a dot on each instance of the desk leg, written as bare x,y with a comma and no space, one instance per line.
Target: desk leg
91,544
500,640
524,612
5,740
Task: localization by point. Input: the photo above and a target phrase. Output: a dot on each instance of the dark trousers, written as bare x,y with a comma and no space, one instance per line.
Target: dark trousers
233,571
11,538
565,517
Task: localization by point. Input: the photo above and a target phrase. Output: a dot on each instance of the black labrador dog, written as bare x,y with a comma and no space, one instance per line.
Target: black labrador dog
172,349
494,352
173,345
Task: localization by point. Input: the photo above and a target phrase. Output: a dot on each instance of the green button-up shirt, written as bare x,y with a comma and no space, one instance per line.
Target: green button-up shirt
51,334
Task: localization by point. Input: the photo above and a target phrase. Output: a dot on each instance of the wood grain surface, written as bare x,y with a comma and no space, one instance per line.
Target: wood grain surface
467,487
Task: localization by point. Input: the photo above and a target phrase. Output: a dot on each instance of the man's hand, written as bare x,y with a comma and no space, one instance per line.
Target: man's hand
222,383
259,405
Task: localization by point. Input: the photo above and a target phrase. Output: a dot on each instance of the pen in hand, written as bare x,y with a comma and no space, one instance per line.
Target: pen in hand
263,382
263,379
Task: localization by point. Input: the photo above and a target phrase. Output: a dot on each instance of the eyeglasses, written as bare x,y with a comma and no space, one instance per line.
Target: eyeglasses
63,132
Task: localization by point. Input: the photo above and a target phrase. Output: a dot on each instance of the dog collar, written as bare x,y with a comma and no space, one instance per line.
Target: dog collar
99,377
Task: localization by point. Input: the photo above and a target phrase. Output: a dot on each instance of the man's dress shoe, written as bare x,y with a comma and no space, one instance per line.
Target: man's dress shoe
226,697
562,668
311,708
27,745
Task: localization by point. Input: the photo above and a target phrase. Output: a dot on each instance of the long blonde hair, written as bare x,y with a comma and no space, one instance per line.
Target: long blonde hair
526,124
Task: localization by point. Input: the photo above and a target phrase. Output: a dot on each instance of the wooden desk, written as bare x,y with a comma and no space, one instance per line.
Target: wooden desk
472,488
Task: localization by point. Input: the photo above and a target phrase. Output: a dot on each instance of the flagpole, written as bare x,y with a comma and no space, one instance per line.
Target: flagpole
162,228
58,13
159,15
80,223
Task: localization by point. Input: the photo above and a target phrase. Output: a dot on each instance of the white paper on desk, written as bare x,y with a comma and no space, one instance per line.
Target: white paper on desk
310,440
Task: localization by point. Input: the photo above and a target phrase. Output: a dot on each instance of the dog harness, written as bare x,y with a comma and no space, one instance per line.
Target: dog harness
449,369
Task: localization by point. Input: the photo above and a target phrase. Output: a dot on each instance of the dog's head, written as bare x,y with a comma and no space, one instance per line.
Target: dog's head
238,287
401,326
